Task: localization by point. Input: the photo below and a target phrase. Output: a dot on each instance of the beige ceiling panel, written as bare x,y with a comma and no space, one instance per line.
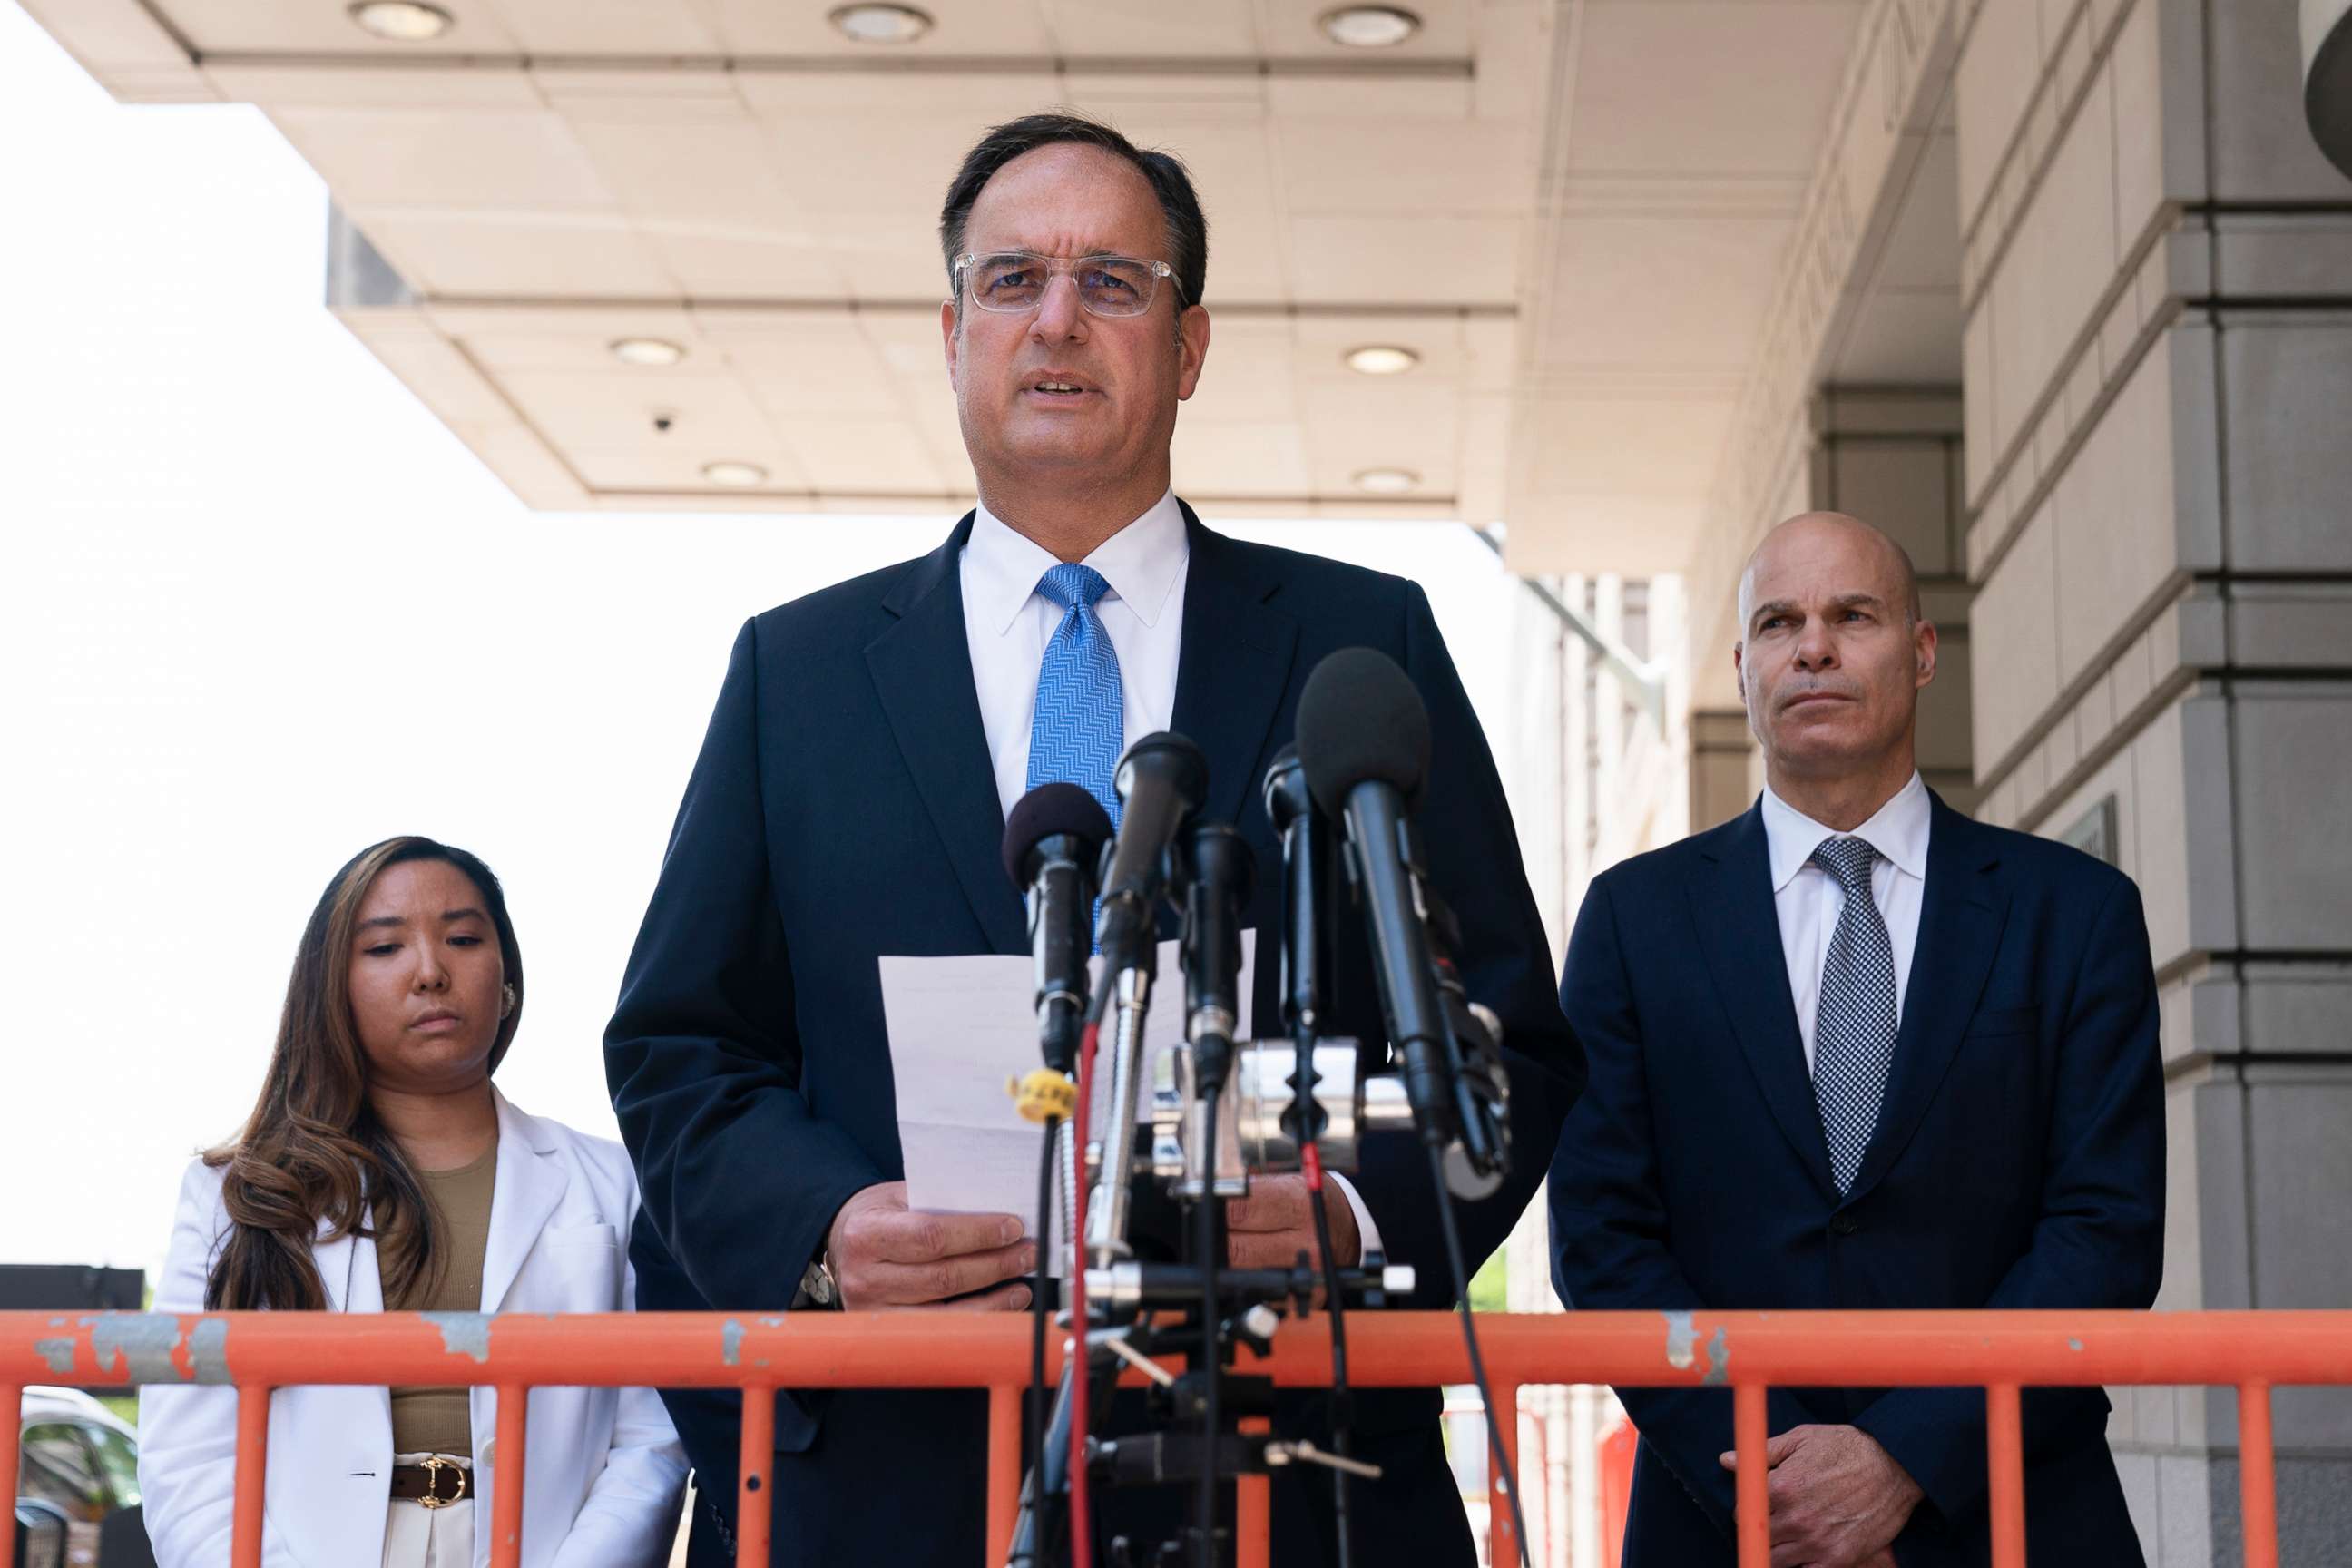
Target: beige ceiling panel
1245,459
1246,264
109,36
1329,98
1291,29
827,166
1515,45
1412,169
429,365
1708,86
1443,342
323,28
506,338
848,100
1249,376
1485,443
809,366
360,88
718,169
965,29
911,347
602,427
1425,407
1359,260
604,26
1625,446
1683,293
1131,29
742,266
523,161
852,455
1639,536
889,258
684,96
550,256
538,477
1150,107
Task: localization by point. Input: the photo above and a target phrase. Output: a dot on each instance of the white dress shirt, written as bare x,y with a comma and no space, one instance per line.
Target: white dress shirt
1808,899
1007,623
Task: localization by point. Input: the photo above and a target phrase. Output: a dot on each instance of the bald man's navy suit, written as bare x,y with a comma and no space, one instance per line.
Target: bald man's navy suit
2018,1163
845,808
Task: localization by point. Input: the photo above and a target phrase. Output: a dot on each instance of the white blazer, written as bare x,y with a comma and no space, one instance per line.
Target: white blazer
607,1471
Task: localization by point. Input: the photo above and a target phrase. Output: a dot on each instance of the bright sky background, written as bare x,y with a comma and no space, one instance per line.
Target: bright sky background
258,608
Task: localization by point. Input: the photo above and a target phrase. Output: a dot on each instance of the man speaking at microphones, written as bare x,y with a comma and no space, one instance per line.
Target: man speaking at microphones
850,801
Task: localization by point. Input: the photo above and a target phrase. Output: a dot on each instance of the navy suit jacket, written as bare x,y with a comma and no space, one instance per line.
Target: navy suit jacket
2018,1161
844,807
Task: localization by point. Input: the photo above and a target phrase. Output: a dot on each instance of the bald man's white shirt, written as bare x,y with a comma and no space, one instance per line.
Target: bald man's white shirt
1808,901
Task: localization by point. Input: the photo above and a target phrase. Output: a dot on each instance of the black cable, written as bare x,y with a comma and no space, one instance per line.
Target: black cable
1501,1462
1341,1444
1205,1554
1038,1314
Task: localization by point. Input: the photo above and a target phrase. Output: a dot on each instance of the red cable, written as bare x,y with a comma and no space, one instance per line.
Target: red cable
1081,1530
1310,1160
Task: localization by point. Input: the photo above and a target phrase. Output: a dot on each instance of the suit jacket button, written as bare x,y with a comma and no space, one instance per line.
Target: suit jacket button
1844,1225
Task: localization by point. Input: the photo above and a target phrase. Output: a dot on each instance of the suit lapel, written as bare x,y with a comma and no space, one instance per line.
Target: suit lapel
1234,666
922,673
1739,931
1961,913
529,1183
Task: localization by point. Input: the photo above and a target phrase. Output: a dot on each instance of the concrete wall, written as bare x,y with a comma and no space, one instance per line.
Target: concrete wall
2157,284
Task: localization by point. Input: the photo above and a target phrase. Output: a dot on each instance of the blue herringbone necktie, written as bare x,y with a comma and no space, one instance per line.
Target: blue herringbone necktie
1853,1028
1075,735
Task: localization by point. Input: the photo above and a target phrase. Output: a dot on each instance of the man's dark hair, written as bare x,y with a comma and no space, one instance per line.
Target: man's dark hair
1188,231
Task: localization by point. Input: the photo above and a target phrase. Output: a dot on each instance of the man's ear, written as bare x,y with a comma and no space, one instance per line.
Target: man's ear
952,344
1192,349
1739,671
1924,644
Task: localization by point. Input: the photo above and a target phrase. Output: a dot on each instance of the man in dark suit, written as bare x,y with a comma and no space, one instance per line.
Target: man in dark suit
849,802
1854,1050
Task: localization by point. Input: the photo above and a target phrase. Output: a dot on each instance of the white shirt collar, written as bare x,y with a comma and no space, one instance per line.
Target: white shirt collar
1898,830
1140,562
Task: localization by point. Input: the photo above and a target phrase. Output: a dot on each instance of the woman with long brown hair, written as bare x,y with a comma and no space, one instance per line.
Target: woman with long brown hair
380,1171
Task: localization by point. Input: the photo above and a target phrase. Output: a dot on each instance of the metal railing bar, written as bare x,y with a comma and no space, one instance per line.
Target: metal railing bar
1752,1509
755,1487
506,1475
252,1473
2005,1459
2257,1475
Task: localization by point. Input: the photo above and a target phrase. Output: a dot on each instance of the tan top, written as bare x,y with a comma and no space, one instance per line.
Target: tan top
436,1420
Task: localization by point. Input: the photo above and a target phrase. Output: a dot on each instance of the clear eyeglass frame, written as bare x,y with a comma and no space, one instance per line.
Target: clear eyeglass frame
968,264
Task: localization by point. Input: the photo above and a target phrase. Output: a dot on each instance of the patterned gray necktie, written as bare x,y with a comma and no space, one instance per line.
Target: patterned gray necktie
1853,1030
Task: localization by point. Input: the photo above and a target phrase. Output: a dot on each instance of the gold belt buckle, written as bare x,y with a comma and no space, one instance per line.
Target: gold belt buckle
434,1465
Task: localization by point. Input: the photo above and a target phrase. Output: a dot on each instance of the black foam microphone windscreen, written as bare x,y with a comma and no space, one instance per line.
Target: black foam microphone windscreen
1362,720
1047,810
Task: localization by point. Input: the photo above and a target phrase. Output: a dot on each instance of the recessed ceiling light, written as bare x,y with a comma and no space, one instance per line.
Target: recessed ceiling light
403,21
646,350
1369,27
1382,359
879,23
735,476
1386,482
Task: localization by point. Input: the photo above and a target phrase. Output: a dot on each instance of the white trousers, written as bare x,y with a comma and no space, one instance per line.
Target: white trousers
416,1536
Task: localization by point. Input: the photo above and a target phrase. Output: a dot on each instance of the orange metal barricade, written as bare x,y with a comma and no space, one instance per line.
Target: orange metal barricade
1748,1353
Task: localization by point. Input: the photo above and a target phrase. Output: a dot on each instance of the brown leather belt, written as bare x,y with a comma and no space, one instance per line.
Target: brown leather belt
421,1484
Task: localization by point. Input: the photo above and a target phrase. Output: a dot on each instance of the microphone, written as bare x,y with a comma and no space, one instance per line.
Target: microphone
1161,782
1221,874
1053,842
1363,741
1306,835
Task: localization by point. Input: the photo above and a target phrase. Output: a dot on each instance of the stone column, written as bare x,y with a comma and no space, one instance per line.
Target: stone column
2157,285
1891,455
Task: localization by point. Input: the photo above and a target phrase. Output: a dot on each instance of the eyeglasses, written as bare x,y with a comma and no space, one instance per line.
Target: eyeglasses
1015,280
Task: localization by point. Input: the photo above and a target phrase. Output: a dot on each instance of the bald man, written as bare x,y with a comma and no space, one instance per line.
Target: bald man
1853,1050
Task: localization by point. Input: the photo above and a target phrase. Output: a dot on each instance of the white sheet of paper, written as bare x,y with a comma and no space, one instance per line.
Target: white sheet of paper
959,1028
